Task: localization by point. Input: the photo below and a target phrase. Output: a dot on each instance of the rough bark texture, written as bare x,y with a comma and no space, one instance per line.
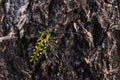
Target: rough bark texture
86,44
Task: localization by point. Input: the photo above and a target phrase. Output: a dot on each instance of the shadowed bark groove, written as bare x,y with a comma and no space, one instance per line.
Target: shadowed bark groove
84,44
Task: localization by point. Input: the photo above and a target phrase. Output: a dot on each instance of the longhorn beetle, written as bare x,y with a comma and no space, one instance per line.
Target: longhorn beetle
40,46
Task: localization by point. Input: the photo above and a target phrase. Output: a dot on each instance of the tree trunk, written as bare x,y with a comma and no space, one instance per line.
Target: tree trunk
84,42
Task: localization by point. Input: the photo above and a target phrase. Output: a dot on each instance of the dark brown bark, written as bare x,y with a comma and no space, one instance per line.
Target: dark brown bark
86,44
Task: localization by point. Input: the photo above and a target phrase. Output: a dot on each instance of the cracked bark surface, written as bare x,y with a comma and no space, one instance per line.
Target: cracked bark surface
86,44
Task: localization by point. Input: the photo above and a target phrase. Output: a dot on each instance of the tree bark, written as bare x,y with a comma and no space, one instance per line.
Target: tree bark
84,42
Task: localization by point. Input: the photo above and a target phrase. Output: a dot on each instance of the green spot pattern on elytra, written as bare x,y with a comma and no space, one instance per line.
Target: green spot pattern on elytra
40,47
